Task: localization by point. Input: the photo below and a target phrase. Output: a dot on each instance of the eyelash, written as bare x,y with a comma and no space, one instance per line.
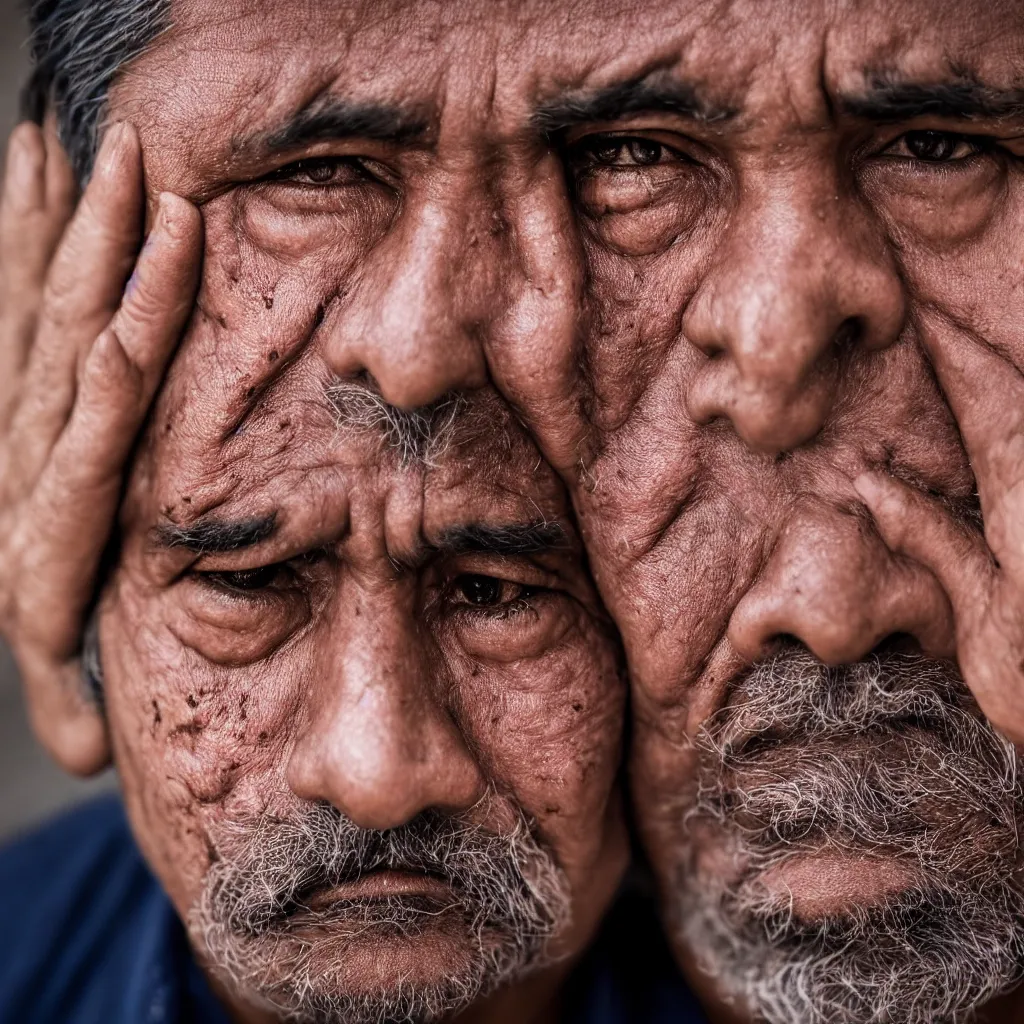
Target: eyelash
227,581
586,151
290,172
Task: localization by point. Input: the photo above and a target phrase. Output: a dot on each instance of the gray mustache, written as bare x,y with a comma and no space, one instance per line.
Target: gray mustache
281,863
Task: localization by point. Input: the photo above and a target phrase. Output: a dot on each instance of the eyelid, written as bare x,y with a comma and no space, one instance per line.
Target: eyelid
517,569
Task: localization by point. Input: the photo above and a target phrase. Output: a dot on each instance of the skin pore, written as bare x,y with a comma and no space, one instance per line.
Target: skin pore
725,260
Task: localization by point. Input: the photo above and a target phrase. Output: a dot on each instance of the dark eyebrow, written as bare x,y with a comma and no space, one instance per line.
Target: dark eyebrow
212,536
888,100
615,102
514,539
335,118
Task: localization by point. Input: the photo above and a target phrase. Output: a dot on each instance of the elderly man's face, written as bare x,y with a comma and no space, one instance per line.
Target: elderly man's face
365,707
699,247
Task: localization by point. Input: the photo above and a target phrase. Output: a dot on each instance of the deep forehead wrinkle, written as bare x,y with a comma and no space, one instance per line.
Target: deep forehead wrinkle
890,99
661,94
213,535
511,539
334,118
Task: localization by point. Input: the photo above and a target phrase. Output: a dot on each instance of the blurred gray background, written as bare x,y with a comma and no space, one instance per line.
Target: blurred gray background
31,788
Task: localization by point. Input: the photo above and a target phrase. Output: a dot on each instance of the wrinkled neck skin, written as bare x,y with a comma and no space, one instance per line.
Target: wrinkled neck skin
701,250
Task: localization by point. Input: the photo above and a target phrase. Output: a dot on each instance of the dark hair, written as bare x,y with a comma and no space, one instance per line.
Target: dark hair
78,48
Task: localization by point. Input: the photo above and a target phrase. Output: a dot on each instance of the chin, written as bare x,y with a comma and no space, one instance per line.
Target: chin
360,972
852,852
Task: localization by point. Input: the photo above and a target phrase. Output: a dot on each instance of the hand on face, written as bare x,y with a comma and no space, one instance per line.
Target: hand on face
82,359
982,574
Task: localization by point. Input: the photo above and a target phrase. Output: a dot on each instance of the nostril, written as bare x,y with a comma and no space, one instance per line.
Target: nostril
897,643
849,335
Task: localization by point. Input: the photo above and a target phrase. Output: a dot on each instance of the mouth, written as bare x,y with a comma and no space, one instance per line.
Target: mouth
381,885
819,887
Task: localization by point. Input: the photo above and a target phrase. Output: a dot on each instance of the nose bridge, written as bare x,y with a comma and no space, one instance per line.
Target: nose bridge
380,744
803,277
831,583
419,310
787,311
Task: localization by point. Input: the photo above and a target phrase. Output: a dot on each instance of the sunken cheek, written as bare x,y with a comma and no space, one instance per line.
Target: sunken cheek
191,737
551,725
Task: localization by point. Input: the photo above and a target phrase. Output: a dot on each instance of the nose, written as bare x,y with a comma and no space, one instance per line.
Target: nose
416,314
379,745
832,584
803,278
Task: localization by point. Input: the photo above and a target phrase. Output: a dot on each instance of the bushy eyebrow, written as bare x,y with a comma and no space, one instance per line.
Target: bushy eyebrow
212,535
512,539
889,101
334,118
614,102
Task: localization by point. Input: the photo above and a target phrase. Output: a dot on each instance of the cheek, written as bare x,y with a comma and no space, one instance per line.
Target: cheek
191,740
550,729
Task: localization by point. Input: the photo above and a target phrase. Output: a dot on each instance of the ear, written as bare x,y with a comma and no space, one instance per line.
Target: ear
67,712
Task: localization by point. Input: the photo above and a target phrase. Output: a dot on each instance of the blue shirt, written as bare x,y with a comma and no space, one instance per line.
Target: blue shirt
87,936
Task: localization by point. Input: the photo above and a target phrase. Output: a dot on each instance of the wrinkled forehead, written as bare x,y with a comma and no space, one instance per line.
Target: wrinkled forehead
246,66
318,474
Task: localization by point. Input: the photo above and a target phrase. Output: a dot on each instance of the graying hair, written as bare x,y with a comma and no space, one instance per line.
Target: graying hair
889,759
79,47
264,939
419,437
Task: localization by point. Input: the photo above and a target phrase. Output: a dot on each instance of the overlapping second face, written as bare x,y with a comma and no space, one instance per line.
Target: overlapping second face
365,704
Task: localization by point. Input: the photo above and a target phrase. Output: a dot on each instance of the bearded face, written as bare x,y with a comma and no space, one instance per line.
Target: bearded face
883,775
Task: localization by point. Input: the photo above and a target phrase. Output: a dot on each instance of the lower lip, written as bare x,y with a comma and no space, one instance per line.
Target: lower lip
817,887
379,885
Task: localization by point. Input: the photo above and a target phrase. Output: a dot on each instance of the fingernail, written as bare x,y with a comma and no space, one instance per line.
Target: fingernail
112,148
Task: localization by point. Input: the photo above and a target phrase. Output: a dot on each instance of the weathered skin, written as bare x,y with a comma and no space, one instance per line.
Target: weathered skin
713,350
359,674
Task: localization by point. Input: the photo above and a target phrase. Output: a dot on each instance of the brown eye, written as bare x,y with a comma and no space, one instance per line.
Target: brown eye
246,579
323,171
644,152
481,591
619,151
937,147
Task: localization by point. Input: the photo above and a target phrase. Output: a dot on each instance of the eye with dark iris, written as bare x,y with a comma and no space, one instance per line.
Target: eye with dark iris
936,147
322,171
246,579
618,152
481,591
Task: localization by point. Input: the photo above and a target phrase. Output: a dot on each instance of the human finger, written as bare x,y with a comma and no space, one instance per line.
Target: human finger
75,503
82,293
61,183
25,252
921,527
985,391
